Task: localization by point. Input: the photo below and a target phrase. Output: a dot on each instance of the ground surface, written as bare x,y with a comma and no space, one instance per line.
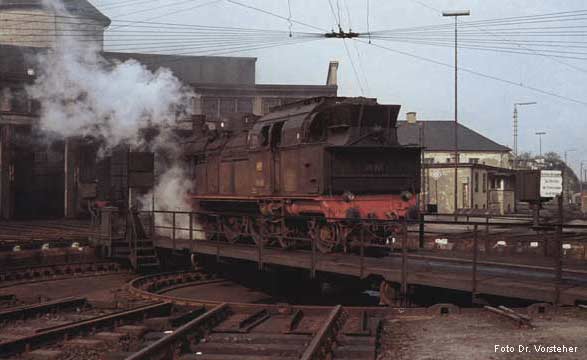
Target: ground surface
222,291
473,336
96,288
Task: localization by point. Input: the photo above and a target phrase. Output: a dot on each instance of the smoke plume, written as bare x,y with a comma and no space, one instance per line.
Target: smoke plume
83,94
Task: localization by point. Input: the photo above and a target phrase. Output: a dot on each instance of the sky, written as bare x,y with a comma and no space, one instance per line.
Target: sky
485,105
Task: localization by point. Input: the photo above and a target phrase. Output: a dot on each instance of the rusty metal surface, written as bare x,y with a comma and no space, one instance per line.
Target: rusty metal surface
30,274
35,233
60,333
164,346
259,331
25,311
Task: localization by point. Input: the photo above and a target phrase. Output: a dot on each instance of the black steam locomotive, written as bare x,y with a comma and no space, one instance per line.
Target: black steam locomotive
318,167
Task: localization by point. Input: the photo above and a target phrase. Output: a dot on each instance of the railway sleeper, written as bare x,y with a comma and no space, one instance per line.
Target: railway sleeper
258,338
272,350
233,357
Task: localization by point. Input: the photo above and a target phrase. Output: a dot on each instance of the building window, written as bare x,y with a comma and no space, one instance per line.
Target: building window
268,103
5,100
20,101
476,182
448,160
227,106
484,185
210,108
473,160
245,105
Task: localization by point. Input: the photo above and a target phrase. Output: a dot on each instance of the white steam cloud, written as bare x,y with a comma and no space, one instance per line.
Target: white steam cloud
81,93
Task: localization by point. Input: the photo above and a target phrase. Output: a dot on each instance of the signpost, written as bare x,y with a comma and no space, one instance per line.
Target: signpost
551,183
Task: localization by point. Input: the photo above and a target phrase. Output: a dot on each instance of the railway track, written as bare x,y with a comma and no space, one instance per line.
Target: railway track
225,331
30,274
175,328
269,331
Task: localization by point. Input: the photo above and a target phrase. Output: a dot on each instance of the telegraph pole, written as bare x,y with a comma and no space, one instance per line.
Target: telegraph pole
540,133
566,176
516,129
456,15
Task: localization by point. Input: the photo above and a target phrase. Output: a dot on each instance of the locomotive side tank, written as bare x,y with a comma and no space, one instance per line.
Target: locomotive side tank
316,167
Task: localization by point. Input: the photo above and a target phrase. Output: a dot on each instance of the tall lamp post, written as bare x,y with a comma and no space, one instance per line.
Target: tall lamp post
516,129
565,175
456,15
582,178
540,133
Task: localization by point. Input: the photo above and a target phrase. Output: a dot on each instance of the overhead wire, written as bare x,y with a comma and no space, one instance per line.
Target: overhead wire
477,73
275,15
480,25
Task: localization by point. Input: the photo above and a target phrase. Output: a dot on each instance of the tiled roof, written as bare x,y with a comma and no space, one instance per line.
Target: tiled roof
439,136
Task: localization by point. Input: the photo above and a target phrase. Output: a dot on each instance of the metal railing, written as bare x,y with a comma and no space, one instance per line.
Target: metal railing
474,246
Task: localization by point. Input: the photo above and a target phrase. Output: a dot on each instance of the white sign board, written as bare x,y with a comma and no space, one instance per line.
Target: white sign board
436,174
551,183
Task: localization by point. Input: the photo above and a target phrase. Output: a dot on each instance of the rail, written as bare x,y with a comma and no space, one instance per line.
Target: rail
321,344
69,330
164,347
26,311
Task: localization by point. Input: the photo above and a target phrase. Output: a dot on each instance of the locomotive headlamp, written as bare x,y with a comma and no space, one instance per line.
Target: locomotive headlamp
348,196
406,195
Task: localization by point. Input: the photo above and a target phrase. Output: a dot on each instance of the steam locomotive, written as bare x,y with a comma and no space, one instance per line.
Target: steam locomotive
327,168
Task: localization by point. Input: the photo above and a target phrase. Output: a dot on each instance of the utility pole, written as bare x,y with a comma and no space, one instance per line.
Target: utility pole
582,179
516,129
456,15
540,133
566,176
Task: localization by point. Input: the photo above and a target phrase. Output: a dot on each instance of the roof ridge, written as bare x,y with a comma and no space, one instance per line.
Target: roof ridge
443,136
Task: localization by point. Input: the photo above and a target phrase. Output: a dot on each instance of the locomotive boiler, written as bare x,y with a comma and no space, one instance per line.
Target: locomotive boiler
327,168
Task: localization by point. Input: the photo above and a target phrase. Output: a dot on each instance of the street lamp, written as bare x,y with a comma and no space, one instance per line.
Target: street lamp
582,177
565,175
456,15
540,133
516,128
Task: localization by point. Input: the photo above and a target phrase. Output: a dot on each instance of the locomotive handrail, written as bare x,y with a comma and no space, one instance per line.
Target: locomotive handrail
520,224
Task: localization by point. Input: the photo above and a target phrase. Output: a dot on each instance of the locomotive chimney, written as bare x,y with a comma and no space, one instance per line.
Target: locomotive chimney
331,79
412,119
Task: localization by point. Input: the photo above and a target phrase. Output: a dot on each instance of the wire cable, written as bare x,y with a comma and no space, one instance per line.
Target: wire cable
477,73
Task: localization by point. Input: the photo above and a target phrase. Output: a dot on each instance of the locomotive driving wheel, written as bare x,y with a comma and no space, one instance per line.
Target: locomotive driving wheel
326,236
233,228
211,228
259,231
285,237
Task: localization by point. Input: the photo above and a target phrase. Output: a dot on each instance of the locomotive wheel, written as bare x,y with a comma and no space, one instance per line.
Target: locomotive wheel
326,237
211,228
259,231
232,229
284,241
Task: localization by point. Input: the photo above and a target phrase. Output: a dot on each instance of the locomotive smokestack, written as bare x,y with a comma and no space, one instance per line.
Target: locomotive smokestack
331,79
412,119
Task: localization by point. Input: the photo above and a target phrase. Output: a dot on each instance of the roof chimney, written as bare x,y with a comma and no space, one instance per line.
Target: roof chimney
331,79
412,118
